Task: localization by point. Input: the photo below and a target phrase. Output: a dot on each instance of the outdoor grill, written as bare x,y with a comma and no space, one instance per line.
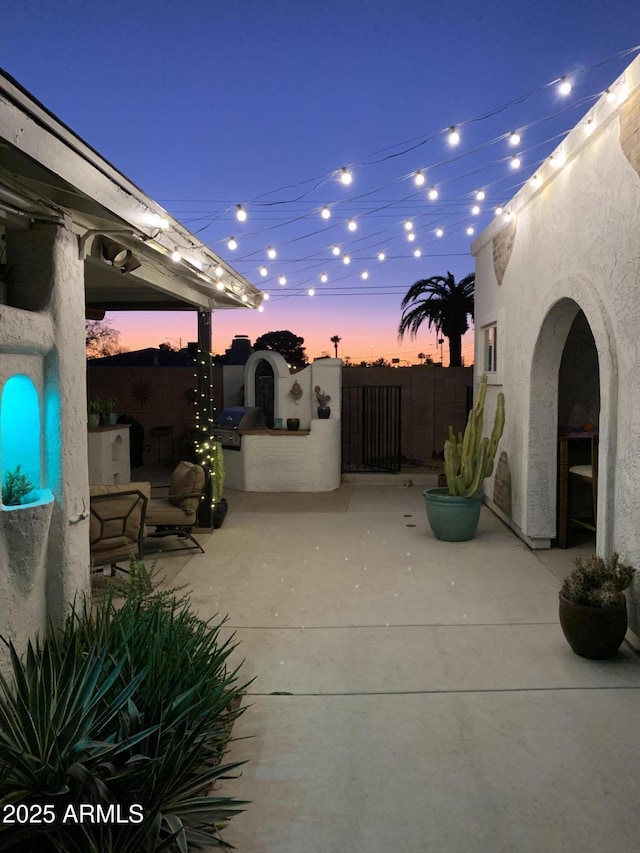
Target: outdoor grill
230,422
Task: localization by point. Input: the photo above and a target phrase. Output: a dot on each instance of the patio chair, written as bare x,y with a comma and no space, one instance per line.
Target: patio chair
117,523
175,514
586,474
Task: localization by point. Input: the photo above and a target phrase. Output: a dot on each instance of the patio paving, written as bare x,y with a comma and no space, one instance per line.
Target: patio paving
412,695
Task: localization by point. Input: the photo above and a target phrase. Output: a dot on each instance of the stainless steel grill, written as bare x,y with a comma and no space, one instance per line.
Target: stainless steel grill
230,422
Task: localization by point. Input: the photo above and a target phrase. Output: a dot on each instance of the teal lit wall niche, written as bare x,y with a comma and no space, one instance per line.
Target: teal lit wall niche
20,431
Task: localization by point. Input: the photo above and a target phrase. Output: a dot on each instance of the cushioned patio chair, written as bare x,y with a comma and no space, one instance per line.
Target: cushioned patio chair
175,514
117,523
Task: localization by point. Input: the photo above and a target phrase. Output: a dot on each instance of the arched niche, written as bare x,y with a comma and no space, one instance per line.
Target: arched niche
266,372
20,429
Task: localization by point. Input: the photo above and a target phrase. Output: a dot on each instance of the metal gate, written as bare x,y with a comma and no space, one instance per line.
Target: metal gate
371,428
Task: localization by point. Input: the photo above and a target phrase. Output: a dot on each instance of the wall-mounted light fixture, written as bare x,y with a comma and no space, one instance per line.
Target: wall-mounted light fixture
118,255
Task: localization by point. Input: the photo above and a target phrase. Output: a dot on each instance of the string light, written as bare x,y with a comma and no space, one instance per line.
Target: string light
381,256
263,270
470,230
408,225
417,253
345,176
364,274
475,210
611,95
564,86
271,253
261,308
454,136
419,178
219,271
232,244
439,232
324,278
480,195
176,256
346,259
515,162
265,296
220,285
498,211
411,236
514,138
336,250
433,194
311,291
241,213
536,180
245,298
282,279
589,126
352,225
325,213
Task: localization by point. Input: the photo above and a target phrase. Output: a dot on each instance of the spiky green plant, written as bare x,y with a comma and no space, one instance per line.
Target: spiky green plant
597,582
15,487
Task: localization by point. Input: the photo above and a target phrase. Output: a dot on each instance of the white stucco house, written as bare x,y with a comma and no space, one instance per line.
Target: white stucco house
558,326
76,238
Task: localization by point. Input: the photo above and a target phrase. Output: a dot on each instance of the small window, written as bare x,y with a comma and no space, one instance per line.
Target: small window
490,348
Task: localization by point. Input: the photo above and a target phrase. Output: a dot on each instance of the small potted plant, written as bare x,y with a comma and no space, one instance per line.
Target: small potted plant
295,392
454,511
108,411
324,411
15,488
94,410
593,609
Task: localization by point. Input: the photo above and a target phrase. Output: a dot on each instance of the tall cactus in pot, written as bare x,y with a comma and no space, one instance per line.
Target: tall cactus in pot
468,459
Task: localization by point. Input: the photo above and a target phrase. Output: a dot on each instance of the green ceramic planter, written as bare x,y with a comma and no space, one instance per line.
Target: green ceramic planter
452,518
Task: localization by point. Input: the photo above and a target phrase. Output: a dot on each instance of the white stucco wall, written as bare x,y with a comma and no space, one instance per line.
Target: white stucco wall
575,247
44,551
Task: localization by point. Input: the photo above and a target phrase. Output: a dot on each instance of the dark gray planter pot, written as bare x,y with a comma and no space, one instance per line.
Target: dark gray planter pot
594,632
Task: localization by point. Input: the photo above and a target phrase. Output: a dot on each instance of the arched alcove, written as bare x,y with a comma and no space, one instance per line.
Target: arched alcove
264,390
20,429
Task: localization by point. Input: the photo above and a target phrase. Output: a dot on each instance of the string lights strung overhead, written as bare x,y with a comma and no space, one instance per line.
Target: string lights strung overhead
448,207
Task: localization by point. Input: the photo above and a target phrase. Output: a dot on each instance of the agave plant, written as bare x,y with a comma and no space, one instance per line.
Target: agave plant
597,582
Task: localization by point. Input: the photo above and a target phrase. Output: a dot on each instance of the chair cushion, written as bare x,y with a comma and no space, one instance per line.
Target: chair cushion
581,471
161,511
185,488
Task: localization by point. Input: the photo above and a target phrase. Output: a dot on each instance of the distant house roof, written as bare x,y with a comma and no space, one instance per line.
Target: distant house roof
149,357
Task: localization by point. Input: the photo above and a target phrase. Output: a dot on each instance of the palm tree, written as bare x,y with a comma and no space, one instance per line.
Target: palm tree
335,340
446,305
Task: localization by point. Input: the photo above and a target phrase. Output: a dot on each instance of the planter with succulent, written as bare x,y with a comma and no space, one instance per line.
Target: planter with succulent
94,410
296,392
324,411
108,416
593,609
17,489
454,511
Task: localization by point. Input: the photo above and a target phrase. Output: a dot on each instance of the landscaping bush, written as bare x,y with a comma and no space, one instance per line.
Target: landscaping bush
129,707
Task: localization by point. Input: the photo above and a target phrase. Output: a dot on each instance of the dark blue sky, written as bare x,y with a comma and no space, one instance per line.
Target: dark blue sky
206,105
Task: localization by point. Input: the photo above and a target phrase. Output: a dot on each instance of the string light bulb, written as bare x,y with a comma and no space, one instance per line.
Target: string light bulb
515,162
417,253
220,285
325,213
536,180
324,278
433,194
336,250
408,225
611,95
419,178
245,298
176,256
232,244
241,213
498,211
346,259
364,275
261,307
470,230
263,270
219,271
564,86
411,236
345,176
381,256
589,126
265,296
271,253
439,232
311,291
514,138
481,195
475,210
282,279
454,136
352,225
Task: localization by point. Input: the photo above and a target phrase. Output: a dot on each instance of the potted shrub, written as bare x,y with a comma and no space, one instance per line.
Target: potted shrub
454,511
16,487
593,609
94,410
108,411
324,411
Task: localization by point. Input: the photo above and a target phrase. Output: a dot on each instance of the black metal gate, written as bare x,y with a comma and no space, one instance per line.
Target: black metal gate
371,428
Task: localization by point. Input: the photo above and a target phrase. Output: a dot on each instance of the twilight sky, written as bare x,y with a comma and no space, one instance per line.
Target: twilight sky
207,105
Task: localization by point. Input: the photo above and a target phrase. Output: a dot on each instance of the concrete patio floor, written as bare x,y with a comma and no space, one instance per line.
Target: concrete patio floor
412,695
